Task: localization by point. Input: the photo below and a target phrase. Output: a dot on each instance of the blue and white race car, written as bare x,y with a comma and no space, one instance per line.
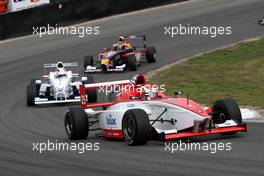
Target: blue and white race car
59,85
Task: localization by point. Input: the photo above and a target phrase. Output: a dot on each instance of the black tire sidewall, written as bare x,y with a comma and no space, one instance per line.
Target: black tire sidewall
80,123
131,62
142,127
230,109
31,94
150,54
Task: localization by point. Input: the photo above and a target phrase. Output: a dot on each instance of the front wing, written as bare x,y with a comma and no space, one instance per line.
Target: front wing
91,69
39,101
238,128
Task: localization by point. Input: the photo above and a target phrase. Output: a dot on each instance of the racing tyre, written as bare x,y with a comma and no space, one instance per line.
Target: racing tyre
131,62
136,127
88,61
76,124
33,81
151,55
226,109
91,94
31,93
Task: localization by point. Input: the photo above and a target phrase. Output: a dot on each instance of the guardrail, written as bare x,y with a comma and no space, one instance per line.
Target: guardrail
68,11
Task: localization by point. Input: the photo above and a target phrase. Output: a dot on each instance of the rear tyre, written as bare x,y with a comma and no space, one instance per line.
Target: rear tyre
88,61
91,94
151,55
136,127
131,62
76,124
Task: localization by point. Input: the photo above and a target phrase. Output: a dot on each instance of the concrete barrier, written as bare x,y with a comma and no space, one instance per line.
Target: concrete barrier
63,12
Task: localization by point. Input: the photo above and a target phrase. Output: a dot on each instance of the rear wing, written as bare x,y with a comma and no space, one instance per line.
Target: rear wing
134,37
84,88
52,66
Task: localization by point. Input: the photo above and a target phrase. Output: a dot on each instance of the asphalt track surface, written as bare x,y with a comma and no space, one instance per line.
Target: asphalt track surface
20,125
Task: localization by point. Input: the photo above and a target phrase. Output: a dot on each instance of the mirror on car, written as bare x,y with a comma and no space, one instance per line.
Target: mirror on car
134,98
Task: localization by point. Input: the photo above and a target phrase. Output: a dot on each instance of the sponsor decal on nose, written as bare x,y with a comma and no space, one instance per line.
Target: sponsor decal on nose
110,120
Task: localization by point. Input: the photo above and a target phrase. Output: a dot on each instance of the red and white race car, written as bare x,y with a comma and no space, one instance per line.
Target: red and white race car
141,112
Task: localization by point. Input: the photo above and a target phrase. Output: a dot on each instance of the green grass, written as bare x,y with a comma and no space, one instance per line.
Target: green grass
236,72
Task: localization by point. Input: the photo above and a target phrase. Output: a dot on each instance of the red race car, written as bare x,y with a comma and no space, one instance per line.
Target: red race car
125,54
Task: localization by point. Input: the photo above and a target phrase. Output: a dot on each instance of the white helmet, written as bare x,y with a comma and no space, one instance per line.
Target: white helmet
121,39
60,67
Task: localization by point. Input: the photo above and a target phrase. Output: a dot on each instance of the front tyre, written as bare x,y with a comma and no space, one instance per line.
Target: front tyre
136,127
31,94
226,109
76,124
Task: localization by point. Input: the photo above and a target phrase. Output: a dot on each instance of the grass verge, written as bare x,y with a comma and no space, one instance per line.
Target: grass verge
236,72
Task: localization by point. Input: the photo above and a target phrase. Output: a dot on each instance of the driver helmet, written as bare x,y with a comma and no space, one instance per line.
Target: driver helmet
121,39
60,67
